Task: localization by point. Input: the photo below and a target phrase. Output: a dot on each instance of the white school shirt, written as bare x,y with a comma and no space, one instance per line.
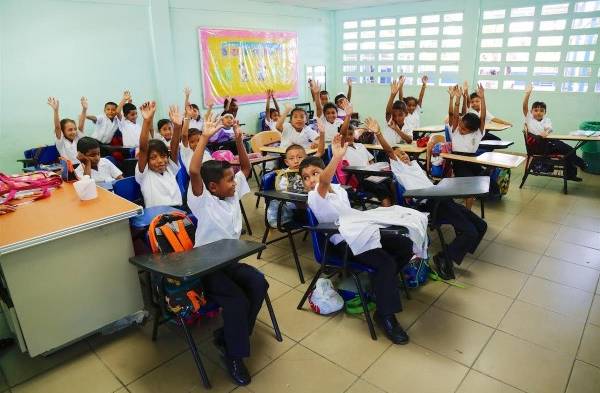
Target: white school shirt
488,114
197,124
331,129
327,210
535,126
131,133
218,218
186,156
341,114
411,177
162,138
105,128
392,137
159,189
467,143
272,124
290,136
106,172
413,120
358,155
67,148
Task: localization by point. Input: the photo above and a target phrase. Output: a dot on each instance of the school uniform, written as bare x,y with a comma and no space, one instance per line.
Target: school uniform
413,120
68,149
392,137
131,133
358,155
395,251
271,124
159,189
341,114
105,129
466,144
331,129
304,138
197,123
468,226
488,118
186,156
239,288
106,171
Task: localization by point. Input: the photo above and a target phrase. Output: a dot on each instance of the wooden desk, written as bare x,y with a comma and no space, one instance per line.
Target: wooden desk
430,129
578,138
494,144
491,126
64,263
453,187
281,150
408,148
498,160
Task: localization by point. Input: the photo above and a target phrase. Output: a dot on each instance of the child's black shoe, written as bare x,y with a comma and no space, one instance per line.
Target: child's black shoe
238,371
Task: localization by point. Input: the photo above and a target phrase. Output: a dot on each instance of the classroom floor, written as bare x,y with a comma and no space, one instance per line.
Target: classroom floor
525,316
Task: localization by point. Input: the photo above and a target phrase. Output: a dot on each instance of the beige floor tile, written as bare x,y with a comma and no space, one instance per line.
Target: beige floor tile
584,379
524,365
345,340
429,292
510,257
532,242
494,278
412,310
589,351
567,273
556,297
579,236
82,374
276,288
594,317
122,390
410,368
543,327
294,323
181,375
476,382
574,253
475,303
303,371
286,273
582,222
362,386
482,247
526,224
498,218
450,335
132,353
493,230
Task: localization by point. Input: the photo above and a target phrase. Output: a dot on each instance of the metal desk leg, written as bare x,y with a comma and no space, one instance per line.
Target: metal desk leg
192,344
273,318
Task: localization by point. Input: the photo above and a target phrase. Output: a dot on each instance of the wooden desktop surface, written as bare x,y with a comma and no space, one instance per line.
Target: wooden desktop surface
60,214
440,128
412,148
499,160
580,138
281,150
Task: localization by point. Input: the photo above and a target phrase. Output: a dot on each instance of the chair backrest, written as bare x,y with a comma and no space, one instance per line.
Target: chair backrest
318,239
305,106
112,159
400,190
268,181
432,141
447,132
42,155
129,189
264,138
528,146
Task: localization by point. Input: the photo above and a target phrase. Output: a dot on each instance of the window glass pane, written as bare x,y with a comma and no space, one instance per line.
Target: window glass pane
387,22
554,9
387,45
584,55
450,56
451,43
513,85
597,89
517,56
587,6
407,32
428,44
515,71
406,69
492,29
409,81
385,68
385,80
428,56
519,41
492,43
354,79
453,30
350,68
386,57
547,56
489,70
350,46
545,71
447,80
367,57
585,23
553,25
369,79
523,11
494,14
430,19
350,57
350,24
406,56
366,68
387,33
367,23
578,71
351,35
584,39
424,68
448,69
574,87
430,30
458,17
367,45
404,44
367,34
554,40
490,57
408,20
520,27
544,86
489,84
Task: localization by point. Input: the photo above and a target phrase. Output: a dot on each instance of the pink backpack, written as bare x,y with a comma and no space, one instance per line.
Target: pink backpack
226,155
37,185
344,178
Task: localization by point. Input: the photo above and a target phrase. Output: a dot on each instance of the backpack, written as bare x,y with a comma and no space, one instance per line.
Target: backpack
416,272
439,166
345,178
37,185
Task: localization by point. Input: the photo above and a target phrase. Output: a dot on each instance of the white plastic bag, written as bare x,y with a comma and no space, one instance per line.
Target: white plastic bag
86,188
324,299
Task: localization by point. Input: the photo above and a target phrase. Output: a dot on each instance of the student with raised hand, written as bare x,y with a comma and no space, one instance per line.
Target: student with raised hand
190,138
127,119
106,124
271,114
196,118
328,114
296,132
397,130
66,133
414,106
341,99
157,164
214,197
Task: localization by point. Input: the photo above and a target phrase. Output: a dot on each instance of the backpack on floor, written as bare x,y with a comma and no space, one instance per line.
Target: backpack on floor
439,166
416,272
36,185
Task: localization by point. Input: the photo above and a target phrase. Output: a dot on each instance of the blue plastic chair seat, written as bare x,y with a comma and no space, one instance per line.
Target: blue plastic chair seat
144,220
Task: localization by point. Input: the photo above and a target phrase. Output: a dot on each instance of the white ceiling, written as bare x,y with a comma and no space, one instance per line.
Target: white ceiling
335,4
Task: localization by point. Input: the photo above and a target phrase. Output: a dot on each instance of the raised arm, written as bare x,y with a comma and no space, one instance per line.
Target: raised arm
321,145
282,117
407,138
339,151
53,102
82,116
208,113
177,120
147,109
466,97
268,106
126,98
394,89
310,85
402,79
528,91
245,165
185,128
373,126
93,118
186,96
424,81
211,126
481,94
349,109
315,89
349,82
274,100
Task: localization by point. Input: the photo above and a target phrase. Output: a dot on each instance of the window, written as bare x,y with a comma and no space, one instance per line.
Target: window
367,23
524,11
519,41
545,71
351,35
351,24
587,6
513,85
430,30
408,20
492,29
515,71
585,23
517,56
406,44
554,40
451,43
427,56
456,17
406,69
578,71
579,87
555,9
367,45
387,45
584,39
547,56
367,34
520,27
350,46
490,57
429,44
430,19
387,22
453,30
494,14
386,57
387,33
492,43
553,25
407,32
489,70
587,55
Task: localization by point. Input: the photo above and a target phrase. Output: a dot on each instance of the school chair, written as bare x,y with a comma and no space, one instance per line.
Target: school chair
258,140
540,164
42,155
332,264
129,189
289,229
128,166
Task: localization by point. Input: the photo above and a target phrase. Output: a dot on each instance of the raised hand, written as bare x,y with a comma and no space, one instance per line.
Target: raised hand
237,130
349,81
402,80
187,91
148,108
338,147
424,80
466,86
395,86
175,116
373,126
315,87
347,107
210,103
320,127
127,96
84,103
288,107
392,124
480,91
189,111
53,102
212,124
529,89
451,91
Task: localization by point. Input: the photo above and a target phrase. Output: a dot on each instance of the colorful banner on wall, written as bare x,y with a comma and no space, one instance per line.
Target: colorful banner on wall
245,63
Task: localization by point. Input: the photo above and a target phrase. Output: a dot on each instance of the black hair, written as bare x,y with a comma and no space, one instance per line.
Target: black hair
338,97
298,109
158,146
471,121
273,110
400,105
538,104
64,122
194,131
474,95
195,107
227,113
329,105
294,147
212,171
409,99
110,103
128,107
311,161
162,122
323,92
86,144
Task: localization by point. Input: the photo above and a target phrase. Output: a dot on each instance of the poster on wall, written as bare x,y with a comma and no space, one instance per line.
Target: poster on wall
245,63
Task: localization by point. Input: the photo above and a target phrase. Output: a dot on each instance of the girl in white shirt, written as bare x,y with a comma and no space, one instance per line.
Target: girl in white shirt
327,201
296,132
396,130
414,106
165,131
328,114
66,132
271,114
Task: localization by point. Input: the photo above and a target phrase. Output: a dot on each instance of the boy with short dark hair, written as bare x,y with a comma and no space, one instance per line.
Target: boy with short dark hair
98,168
127,119
106,124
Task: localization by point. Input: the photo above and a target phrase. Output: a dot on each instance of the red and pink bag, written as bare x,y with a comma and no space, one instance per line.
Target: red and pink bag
36,185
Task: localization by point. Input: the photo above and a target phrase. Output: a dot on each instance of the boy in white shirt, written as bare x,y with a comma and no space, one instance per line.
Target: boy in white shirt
327,201
189,140
414,106
66,132
296,132
214,197
342,100
106,124
539,127
271,114
127,120
396,130
98,168
327,114
474,104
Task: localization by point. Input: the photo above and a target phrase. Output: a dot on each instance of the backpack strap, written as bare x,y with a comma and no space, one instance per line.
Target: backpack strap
183,236
172,238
